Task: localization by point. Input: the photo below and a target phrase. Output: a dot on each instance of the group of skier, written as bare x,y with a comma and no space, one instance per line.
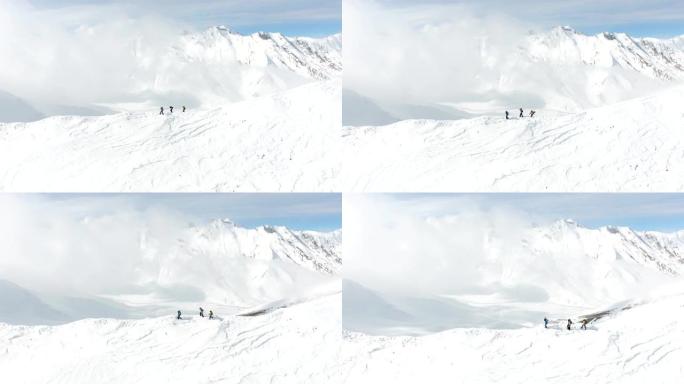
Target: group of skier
522,114
201,313
584,323
161,109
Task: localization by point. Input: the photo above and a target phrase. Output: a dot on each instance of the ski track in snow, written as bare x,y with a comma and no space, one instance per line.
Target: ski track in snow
298,344
629,146
281,142
643,344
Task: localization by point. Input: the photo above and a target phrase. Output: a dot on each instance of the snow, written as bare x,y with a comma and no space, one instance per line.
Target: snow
633,145
219,264
295,344
458,313
419,266
644,343
285,141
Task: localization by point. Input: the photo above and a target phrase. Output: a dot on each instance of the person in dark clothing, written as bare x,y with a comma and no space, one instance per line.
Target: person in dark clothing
532,112
584,324
178,317
521,112
161,111
546,322
211,314
506,115
569,324
171,108
184,108
201,312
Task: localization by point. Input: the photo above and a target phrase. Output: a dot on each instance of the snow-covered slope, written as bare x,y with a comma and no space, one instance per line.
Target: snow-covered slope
629,146
298,344
287,141
219,263
643,343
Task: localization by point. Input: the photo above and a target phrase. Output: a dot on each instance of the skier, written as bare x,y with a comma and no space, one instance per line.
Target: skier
161,111
201,312
506,115
171,108
569,324
184,108
546,322
521,112
211,314
178,317
584,324
532,112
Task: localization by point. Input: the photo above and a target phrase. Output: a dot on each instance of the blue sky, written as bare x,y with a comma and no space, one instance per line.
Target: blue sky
291,17
320,212
653,18
649,211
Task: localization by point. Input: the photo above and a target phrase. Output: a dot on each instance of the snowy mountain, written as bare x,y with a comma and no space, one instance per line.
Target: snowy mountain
569,71
628,146
655,58
197,69
221,264
524,274
559,70
220,64
296,344
645,342
659,251
287,141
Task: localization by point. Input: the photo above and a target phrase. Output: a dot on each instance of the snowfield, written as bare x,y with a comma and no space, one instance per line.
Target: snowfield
637,345
286,141
635,145
297,344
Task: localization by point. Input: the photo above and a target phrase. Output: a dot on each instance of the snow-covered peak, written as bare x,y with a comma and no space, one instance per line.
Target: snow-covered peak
319,252
310,58
655,58
657,251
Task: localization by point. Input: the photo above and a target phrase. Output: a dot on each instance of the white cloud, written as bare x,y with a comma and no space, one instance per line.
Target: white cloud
423,54
46,250
77,59
407,247
580,13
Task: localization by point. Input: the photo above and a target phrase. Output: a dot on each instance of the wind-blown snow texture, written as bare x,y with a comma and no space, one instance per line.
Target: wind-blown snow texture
282,142
297,344
635,145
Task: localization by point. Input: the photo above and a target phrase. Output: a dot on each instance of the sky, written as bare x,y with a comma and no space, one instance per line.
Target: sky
290,17
655,18
319,212
648,211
